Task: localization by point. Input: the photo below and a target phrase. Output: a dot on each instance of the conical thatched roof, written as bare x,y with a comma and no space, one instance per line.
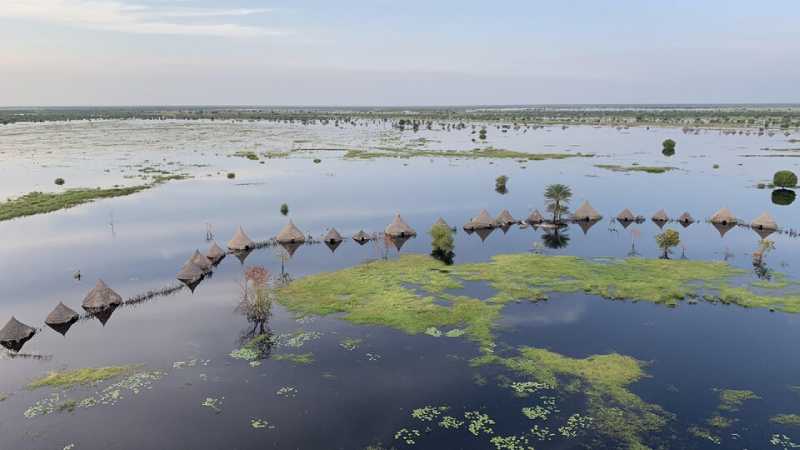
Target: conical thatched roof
535,217
764,222
101,297
201,261
723,216
290,234
626,216
240,241
215,254
16,331
586,212
660,216
686,219
361,237
332,236
483,221
62,314
505,218
190,272
400,228
441,221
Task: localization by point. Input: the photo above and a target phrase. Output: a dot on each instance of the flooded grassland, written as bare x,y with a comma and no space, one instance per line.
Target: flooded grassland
534,337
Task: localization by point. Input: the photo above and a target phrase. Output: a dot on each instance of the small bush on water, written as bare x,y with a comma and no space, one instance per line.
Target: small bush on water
667,240
231,175
783,197
668,147
442,243
785,179
500,184
59,181
284,209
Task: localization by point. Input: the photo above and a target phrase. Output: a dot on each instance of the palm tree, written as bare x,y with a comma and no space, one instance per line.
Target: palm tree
557,197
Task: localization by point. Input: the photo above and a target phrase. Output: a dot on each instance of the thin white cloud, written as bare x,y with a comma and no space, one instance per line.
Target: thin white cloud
122,17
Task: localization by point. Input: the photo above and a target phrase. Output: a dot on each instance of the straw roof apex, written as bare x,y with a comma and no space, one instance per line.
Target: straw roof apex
15,331
290,234
587,212
399,228
765,222
535,217
101,297
332,236
626,215
61,314
240,240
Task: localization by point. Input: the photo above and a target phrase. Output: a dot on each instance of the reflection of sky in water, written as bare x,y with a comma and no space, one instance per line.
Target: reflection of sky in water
692,347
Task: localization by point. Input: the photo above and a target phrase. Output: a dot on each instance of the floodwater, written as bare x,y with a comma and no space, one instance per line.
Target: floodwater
354,398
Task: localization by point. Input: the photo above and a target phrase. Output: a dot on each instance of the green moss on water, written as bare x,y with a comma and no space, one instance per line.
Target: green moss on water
79,376
635,168
251,155
616,412
43,202
296,358
786,419
732,399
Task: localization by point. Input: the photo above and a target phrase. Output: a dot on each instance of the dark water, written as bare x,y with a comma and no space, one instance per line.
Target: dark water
353,398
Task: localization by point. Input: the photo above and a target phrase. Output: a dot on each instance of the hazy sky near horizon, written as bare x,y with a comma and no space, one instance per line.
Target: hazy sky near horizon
380,52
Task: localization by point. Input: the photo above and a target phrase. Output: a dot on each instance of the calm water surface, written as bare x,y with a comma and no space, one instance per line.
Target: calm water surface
350,399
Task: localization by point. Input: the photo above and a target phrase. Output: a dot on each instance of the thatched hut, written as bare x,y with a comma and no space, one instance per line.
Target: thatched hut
190,272
724,216
61,315
332,236
362,237
482,222
535,217
290,234
15,333
505,219
441,221
240,241
626,216
660,216
686,219
201,261
101,297
399,228
723,228
586,212
215,253
764,222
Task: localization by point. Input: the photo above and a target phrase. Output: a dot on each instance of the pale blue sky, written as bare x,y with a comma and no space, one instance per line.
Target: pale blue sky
90,52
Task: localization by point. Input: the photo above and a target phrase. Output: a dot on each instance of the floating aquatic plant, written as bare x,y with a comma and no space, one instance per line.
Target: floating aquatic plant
79,376
786,419
433,331
297,358
510,443
450,423
350,343
213,403
576,423
408,436
428,413
261,424
479,422
782,440
525,388
297,339
287,392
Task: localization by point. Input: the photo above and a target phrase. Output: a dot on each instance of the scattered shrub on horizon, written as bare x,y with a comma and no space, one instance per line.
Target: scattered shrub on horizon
482,134
500,184
667,240
785,179
231,175
317,160
716,166
59,181
284,209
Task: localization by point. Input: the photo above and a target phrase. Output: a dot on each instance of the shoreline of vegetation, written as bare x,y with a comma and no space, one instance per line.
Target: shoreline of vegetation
636,168
759,117
475,153
34,203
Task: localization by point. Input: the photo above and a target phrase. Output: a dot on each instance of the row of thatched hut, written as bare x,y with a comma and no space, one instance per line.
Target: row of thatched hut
102,299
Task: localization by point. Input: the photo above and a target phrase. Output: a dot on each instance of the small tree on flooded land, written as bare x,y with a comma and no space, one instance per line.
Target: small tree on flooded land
482,134
284,209
785,179
764,246
557,197
667,240
668,147
443,243
500,184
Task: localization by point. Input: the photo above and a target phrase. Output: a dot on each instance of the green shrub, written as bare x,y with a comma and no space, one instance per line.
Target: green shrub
667,240
284,209
59,181
442,243
785,179
231,175
500,184
783,197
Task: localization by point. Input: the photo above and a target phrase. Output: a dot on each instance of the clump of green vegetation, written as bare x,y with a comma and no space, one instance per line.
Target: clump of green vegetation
616,411
41,202
557,198
350,344
635,168
668,147
716,166
3,396
718,421
786,419
732,399
703,433
284,209
500,184
231,175
785,179
667,240
297,358
79,376
251,155
59,181
442,243
783,197
317,160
